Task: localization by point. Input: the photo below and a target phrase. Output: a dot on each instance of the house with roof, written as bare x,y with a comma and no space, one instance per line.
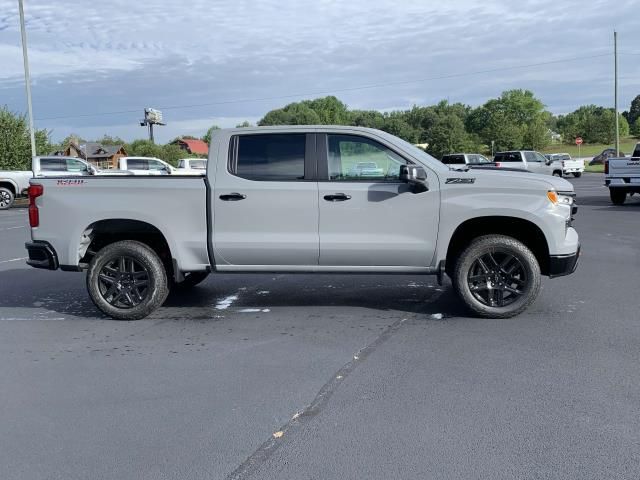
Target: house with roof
192,145
103,157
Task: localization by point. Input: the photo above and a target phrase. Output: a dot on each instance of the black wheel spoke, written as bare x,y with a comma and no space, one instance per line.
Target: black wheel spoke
124,282
497,278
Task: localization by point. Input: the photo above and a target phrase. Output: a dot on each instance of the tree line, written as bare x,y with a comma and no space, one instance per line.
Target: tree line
517,119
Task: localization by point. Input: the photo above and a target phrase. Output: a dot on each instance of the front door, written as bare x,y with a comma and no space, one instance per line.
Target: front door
265,203
368,217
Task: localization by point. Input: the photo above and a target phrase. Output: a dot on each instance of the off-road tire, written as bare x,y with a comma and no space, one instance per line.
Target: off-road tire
617,195
157,287
504,245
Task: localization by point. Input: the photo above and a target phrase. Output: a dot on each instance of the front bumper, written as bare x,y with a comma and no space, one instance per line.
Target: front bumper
41,255
561,265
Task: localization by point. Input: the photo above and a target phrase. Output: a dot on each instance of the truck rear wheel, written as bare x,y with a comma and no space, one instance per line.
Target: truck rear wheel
618,196
497,276
127,280
6,198
577,174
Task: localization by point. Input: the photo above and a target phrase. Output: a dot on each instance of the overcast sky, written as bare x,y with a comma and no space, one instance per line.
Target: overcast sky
120,55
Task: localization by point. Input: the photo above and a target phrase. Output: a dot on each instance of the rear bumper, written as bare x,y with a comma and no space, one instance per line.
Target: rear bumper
41,255
561,265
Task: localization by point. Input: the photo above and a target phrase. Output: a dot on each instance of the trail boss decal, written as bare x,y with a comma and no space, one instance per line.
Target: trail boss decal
460,180
67,182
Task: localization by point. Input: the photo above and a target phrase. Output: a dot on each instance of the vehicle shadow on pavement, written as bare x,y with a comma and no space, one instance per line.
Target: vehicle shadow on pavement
36,294
602,201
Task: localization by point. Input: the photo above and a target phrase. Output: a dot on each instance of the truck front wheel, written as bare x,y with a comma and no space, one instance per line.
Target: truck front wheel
618,196
497,276
6,198
127,280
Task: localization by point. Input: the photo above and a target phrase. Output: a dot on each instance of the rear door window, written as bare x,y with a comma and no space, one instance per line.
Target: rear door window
137,164
507,157
53,164
269,157
453,159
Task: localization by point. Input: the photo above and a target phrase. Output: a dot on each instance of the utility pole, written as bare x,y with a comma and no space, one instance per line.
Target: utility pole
615,83
27,78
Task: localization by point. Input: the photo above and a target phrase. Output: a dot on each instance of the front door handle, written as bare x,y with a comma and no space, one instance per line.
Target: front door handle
337,197
233,197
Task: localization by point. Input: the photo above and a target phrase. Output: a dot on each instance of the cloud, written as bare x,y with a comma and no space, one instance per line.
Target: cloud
92,57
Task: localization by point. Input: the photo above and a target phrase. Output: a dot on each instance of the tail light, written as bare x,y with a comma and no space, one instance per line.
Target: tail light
606,167
35,191
498,164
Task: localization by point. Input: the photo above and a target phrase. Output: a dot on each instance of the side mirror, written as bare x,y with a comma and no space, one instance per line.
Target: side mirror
92,170
415,176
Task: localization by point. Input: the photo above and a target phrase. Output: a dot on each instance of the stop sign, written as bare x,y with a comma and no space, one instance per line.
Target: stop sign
579,141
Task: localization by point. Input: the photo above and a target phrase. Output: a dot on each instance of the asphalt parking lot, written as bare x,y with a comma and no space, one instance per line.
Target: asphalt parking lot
360,376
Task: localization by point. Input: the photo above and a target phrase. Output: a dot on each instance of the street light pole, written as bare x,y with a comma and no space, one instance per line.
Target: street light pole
615,83
27,78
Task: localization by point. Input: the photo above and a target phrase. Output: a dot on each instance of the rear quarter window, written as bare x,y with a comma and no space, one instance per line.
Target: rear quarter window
507,157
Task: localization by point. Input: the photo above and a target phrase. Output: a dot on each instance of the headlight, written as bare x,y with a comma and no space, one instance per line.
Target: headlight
560,198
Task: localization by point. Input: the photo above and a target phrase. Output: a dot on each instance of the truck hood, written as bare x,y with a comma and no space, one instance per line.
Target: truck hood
512,178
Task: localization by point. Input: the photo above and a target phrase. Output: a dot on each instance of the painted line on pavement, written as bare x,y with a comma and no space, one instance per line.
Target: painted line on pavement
13,260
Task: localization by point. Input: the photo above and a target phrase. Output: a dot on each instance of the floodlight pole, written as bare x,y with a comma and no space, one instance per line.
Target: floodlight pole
615,86
27,78
151,132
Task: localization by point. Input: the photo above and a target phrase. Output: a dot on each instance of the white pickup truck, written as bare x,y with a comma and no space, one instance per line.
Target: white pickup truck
622,176
291,199
569,165
15,183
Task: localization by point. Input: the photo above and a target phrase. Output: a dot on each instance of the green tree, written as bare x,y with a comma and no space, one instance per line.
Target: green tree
634,111
321,111
207,136
593,123
635,128
109,140
15,143
244,124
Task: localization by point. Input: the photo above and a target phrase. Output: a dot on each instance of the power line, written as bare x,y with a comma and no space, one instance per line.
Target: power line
338,90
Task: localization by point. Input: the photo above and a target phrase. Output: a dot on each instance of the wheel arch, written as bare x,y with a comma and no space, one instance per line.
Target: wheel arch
522,230
104,232
10,184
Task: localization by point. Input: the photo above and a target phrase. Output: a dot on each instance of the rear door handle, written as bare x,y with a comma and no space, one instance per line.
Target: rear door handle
337,197
232,197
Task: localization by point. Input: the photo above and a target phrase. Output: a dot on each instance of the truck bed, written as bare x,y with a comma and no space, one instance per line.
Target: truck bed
176,206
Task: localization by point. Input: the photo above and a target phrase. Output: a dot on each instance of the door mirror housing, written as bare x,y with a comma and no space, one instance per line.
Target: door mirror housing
415,176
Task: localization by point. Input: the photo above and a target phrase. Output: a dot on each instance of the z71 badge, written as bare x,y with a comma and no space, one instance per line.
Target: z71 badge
460,180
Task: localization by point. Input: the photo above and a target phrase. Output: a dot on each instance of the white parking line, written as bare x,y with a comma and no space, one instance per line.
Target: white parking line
13,260
12,228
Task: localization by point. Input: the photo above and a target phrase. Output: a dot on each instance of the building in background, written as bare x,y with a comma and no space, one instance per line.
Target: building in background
103,157
192,146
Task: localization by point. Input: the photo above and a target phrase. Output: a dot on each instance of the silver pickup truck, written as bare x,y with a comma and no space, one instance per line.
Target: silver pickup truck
622,176
291,199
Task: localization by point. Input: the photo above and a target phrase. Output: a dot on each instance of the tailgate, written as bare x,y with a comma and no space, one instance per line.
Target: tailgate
625,167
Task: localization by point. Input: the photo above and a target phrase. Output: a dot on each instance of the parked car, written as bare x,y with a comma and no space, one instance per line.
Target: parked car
145,166
461,160
14,184
191,166
269,205
605,154
528,160
569,165
622,176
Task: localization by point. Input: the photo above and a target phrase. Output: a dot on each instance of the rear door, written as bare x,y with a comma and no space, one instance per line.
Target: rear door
368,217
536,164
139,166
265,203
